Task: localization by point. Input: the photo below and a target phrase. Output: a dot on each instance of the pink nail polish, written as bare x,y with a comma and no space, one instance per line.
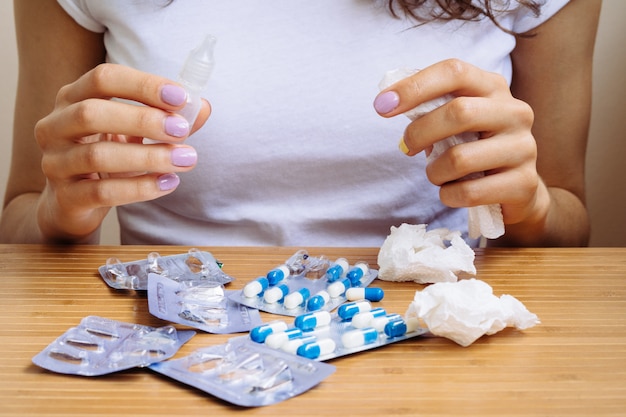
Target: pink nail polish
386,102
184,157
173,95
168,182
176,126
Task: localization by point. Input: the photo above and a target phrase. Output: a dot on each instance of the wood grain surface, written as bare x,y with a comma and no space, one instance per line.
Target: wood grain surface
572,364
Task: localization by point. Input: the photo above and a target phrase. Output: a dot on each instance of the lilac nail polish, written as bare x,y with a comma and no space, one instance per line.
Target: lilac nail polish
386,102
176,126
168,182
184,157
173,95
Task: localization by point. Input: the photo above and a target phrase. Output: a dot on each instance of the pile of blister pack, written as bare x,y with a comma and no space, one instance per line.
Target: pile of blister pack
330,306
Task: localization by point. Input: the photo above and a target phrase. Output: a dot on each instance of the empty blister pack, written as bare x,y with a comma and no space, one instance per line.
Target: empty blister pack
190,266
245,373
305,283
99,346
321,335
201,304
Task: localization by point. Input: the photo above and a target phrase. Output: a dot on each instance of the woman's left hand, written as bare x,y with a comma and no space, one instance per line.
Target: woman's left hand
506,151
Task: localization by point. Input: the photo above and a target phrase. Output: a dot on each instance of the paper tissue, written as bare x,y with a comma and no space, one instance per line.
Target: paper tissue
465,310
412,253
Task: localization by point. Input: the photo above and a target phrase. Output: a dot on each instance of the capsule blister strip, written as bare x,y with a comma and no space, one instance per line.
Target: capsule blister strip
321,335
193,265
99,346
204,305
246,373
292,289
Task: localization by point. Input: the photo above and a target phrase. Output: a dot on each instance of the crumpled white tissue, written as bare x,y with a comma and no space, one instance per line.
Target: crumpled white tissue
411,253
464,311
483,220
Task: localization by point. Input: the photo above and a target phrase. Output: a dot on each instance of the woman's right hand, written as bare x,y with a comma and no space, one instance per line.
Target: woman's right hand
94,157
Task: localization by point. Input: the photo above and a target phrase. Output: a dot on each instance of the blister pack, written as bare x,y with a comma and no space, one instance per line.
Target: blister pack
99,346
245,373
305,284
201,304
321,335
191,266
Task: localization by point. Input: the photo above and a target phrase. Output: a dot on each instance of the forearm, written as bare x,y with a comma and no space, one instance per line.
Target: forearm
565,223
19,224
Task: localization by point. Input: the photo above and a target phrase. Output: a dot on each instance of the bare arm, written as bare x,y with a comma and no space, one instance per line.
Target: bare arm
552,73
53,51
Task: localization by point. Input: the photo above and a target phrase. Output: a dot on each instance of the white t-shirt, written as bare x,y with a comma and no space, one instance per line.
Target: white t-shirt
294,153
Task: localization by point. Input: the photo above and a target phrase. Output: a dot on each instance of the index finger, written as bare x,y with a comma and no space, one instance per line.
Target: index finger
111,80
451,76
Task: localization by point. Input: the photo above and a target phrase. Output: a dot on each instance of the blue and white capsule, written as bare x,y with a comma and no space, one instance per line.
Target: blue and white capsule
260,333
276,340
311,321
296,298
255,287
338,288
368,293
379,323
291,346
278,274
412,324
318,301
358,271
349,310
338,270
276,294
365,319
395,328
317,349
359,337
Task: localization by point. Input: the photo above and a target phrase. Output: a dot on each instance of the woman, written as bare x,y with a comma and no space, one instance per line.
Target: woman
293,153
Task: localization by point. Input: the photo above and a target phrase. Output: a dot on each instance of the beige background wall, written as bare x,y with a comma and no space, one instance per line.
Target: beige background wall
606,162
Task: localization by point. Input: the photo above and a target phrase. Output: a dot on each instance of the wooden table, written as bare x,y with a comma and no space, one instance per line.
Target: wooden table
572,364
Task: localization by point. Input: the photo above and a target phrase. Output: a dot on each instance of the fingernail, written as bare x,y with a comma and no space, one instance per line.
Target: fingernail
184,157
173,95
176,126
403,147
168,182
386,102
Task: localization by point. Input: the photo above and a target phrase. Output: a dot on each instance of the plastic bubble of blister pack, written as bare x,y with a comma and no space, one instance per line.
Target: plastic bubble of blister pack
306,283
321,335
204,305
99,346
246,373
191,266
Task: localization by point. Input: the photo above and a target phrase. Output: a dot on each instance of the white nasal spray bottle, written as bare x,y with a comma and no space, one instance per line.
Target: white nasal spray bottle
195,75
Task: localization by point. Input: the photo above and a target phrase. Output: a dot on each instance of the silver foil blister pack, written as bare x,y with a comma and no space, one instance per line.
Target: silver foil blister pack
355,326
245,373
203,304
195,265
305,283
99,346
